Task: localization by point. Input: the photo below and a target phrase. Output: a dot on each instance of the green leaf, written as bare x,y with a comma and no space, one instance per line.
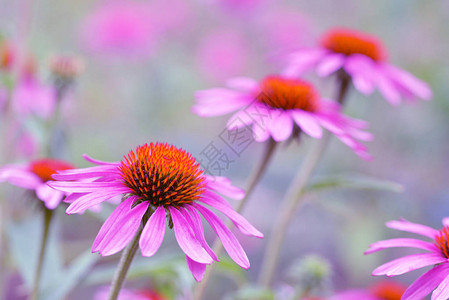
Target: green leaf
360,182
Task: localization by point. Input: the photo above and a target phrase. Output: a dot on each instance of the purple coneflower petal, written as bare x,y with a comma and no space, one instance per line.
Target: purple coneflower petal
260,133
197,269
446,221
240,119
186,238
244,84
330,63
409,82
387,88
91,199
230,242
98,162
197,225
97,171
51,197
401,242
223,186
239,221
119,229
442,291
281,127
153,233
308,123
20,177
426,283
407,226
409,263
87,187
219,101
302,60
362,71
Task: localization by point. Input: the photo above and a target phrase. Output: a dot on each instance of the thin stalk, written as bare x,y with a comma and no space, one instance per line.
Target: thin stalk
254,178
48,216
123,265
294,196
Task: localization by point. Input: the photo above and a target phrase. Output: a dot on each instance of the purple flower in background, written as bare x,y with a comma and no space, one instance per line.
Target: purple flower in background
364,59
227,51
437,255
382,290
280,108
158,181
34,176
31,97
124,28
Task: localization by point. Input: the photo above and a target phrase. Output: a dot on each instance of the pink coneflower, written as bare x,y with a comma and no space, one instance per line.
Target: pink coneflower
158,181
34,176
437,278
362,57
123,28
280,108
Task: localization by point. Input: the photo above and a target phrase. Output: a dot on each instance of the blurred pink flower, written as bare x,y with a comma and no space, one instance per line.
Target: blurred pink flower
31,97
222,54
437,278
280,108
126,294
124,28
364,59
158,180
284,30
172,16
34,176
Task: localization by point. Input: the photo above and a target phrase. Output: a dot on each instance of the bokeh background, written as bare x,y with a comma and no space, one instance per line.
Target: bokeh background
142,68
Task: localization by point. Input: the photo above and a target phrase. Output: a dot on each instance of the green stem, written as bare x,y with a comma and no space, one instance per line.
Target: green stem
48,215
123,265
294,196
254,178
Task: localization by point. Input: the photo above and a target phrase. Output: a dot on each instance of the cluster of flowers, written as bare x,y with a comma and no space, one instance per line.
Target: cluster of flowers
160,184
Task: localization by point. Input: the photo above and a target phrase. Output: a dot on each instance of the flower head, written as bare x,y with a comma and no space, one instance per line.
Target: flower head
280,108
363,58
126,294
34,176
382,290
437,278
158,181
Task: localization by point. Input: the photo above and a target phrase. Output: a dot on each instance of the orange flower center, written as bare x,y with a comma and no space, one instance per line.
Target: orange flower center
163,175
46,167
442,241
6,55
350,42
388,290
286,93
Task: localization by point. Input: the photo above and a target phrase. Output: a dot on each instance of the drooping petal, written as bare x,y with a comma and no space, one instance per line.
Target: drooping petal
426,283
401,242
120,230
308,123
153,233
197,269
86,187
223,186
407,226
239,120
362,72
407,81
51,197
387,88
239,221
186,238
409,263
98,162
91,172
197,225
260,133
302,60
330,63
219,101
442,291
20,177
230,242
281,127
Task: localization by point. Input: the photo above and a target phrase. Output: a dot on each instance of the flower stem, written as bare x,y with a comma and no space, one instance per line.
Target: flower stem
48,215
124,264
254,178
294,195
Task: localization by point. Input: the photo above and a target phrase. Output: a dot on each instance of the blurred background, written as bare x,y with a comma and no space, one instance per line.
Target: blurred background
140,63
